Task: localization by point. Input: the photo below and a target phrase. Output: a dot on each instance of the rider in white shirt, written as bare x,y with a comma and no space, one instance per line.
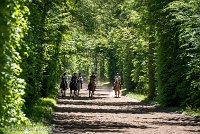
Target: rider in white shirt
117,78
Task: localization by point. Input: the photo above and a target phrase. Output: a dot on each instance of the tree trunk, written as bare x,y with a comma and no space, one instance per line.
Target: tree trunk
151,65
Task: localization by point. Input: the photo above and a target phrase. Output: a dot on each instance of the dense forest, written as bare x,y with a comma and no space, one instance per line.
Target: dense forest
153,44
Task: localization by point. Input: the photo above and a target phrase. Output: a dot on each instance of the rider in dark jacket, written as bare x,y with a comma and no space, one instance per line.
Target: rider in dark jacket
64,83
74,78
93,76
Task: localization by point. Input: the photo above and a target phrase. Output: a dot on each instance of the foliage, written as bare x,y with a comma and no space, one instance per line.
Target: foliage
192,111
41,111
137,96
179,55
13,25
153,45
40,115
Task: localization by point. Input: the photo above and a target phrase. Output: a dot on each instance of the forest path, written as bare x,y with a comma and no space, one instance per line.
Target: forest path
106,114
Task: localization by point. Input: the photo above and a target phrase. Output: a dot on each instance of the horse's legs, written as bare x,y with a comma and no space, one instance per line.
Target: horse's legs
78,92
118,93
70,93
92,93
64,92
64,89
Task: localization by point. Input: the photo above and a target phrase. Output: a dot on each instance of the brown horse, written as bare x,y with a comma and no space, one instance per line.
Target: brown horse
91,88
117,88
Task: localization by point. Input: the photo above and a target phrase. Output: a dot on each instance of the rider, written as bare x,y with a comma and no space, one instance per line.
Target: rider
117,78
92,77
63,81
74,78
80,78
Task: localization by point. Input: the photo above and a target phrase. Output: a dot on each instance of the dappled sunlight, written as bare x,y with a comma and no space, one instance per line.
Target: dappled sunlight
106,114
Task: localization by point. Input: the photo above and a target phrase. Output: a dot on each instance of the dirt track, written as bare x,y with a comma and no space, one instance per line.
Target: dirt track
106,114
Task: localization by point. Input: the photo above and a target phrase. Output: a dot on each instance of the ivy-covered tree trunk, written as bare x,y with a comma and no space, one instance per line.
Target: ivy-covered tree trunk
13,25
151,65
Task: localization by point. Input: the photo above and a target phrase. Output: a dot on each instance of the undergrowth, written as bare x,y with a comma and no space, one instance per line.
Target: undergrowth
143,98
39,115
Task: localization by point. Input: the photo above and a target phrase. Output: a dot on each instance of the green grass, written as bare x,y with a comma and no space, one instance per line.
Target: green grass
137,96
38,128
188,110
192,111
100,83
40,117
41,111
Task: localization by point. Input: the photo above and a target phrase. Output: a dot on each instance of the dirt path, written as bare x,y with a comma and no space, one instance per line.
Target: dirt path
106,114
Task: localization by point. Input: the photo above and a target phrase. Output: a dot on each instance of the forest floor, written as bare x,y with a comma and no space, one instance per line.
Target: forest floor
107,114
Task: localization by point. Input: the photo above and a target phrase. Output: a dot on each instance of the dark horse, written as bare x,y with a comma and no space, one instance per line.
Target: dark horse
73,86
63,87
91,87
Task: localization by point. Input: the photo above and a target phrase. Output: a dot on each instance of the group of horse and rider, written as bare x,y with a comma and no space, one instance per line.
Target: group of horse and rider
76,83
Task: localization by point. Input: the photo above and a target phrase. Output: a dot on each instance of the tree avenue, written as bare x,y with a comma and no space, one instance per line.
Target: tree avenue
154,45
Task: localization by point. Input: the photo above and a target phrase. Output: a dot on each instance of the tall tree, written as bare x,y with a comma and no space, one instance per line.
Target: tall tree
13,26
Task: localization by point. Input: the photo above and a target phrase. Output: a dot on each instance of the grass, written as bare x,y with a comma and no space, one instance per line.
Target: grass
34,128
188,110
40,117
137,96
100,83
192,111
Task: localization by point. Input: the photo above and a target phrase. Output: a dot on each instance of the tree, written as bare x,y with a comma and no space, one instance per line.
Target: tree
12,28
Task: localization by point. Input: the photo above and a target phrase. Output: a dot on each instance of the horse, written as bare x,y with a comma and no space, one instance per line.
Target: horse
73,86
91,88
63,87
117,88
79,83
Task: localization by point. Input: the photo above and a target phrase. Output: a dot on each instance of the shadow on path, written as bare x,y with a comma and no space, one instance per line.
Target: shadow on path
105,114
81,124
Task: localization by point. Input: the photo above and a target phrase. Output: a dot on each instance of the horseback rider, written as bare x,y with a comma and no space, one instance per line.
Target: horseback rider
63,83
74,78
92,78
80,79
117,78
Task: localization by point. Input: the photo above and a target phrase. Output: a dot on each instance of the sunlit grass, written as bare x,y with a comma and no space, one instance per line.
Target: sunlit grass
38,128
100,83
188,110
192,111
137,96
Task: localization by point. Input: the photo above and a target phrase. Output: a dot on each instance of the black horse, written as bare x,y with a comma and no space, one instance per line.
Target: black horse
63,87
73,86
